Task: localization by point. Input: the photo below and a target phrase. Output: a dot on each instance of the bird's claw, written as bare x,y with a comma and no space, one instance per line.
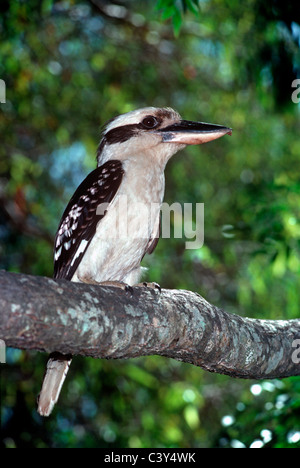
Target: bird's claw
151,285
128,289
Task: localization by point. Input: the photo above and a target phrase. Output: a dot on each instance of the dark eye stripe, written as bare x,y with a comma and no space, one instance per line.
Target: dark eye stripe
124,133
121,134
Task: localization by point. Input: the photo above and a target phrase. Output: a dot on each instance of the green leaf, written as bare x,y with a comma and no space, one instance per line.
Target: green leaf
193,6
176,10
177,22
168,12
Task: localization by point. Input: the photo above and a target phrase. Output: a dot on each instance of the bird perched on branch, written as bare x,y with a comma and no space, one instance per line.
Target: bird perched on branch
101,241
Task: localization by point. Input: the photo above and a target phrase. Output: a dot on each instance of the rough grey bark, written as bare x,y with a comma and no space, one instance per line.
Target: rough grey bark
104,322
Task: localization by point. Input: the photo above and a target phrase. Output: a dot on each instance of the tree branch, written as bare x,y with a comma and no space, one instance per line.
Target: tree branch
104,322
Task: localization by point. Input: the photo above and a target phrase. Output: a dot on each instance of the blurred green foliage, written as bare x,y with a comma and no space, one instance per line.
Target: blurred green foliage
175,9
68,67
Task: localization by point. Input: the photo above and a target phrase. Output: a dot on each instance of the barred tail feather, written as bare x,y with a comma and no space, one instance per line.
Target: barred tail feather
57,368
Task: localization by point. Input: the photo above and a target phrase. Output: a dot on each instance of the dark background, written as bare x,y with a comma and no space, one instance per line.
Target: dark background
68,67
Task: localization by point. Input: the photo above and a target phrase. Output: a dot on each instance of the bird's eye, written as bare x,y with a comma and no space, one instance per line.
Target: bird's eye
150,122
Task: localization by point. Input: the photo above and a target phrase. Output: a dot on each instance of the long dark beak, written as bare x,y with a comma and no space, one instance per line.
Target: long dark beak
193,133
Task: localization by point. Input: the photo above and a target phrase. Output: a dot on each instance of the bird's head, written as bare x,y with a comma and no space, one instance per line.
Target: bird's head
152,132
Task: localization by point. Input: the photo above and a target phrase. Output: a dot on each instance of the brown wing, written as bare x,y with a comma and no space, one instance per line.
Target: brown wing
81,217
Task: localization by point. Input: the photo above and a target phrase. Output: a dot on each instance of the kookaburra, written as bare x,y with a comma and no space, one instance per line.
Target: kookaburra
131,159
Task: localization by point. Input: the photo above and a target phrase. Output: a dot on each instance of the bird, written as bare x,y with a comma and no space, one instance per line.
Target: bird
90,243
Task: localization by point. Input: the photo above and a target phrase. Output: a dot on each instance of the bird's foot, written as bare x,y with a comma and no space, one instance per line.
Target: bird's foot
117,284
151,285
